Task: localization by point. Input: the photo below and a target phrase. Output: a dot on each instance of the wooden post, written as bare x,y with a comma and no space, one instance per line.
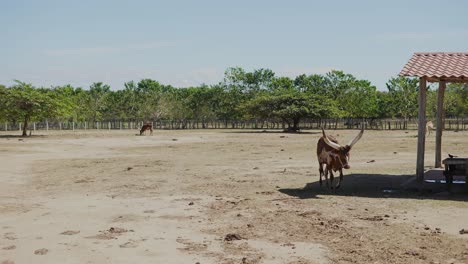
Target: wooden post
109,125
73,125
6,126
34,126
421,131
440,124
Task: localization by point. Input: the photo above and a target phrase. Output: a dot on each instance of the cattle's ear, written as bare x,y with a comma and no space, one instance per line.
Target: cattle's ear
346,148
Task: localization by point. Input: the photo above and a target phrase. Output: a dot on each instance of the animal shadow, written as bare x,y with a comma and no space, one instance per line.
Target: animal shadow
376,186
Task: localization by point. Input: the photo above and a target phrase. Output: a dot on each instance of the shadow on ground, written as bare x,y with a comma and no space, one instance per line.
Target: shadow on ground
273,132
20,136
382,186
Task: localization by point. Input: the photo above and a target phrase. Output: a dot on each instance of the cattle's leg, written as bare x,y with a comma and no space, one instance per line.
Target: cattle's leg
331,179
321,173
326,176
341,178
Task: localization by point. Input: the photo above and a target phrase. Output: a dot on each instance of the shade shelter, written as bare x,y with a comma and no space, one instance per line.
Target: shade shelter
441,67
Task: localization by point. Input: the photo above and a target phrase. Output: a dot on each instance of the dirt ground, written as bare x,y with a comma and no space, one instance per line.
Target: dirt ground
222,196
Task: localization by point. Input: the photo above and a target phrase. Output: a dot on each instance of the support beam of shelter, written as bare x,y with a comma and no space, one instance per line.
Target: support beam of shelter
440,124
421,130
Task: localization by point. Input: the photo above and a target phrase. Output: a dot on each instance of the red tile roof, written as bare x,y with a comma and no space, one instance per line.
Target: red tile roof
437,65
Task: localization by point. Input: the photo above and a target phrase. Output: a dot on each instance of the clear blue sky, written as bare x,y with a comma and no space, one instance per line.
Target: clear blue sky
185,43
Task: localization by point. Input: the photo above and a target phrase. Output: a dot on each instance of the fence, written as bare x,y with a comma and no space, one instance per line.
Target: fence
374,124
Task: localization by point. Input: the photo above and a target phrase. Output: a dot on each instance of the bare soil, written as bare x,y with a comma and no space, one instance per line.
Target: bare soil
223,196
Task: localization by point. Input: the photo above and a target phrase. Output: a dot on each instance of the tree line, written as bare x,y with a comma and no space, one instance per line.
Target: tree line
241,95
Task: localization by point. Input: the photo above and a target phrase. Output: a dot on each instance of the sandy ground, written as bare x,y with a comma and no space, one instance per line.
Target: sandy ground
222,196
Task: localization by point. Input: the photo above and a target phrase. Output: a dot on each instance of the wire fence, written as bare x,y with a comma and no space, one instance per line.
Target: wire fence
373,124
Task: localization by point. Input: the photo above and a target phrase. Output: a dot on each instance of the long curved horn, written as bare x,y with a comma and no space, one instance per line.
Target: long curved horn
329,142
356,139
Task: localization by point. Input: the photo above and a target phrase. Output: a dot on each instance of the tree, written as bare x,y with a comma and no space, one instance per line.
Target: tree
80,102
404,96
226,102
97,100
290,107
248,82
431,103
338,84
282,84
3,100
384,106
315,84
26,103
360,101
456,99
67,95
150,93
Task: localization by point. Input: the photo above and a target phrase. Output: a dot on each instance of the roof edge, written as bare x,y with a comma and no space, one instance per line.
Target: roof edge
441,53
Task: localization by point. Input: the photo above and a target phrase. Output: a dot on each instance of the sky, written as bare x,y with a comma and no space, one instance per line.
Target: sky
188,43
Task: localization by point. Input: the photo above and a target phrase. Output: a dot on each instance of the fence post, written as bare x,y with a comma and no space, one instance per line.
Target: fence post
73,125
34,126
6,126
19,127
120,125
109,125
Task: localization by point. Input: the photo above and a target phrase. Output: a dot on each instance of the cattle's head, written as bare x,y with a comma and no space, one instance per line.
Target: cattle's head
341,155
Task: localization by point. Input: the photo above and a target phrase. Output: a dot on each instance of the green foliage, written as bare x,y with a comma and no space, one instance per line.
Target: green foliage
338,85
3,101
456,100
25,103
282,84
360,100
383,105
290,107
257,94
431,103
404,96
314,84
248,82
96,101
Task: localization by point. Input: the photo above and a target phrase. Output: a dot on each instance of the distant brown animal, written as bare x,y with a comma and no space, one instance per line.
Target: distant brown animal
429,127
147,126
334,156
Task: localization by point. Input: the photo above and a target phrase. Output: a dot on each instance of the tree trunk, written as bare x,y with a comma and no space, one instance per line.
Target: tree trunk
25,126
295,127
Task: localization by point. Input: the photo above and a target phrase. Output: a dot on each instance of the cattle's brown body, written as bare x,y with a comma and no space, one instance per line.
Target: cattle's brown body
147,126
333,157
